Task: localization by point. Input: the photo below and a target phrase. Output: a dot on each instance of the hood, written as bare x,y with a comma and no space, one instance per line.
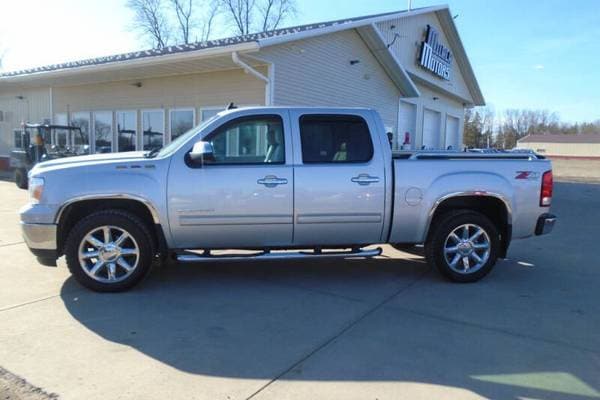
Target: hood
94,159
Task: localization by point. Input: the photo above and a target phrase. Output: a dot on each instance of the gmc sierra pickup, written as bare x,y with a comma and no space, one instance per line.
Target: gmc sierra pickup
285,183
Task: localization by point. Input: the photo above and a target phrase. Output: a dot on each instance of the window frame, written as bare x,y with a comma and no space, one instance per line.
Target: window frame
333,116
141,125
137,129
171,110
90,134
218,129
112,128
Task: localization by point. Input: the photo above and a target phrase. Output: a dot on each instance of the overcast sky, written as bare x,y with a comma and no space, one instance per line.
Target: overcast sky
526,53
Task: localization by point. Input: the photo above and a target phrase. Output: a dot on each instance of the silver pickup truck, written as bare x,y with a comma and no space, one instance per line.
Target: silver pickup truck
283,183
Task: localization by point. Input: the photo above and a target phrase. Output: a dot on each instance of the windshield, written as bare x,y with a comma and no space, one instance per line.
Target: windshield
175,144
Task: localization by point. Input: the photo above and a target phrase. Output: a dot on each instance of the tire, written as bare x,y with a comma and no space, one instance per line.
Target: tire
21,178
443,249
114,264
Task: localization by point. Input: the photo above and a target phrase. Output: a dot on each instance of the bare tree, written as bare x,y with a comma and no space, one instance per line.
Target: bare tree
273,12
249,16
151,21
184,10
192,17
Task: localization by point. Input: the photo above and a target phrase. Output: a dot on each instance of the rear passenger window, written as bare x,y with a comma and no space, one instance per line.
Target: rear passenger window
335,139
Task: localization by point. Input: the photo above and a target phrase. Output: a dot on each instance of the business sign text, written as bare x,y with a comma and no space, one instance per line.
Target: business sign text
434,56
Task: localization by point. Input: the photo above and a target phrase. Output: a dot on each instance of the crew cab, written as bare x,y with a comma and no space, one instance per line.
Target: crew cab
284,183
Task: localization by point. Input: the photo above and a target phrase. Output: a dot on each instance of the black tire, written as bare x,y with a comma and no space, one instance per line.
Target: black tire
119,219
445,225
21,178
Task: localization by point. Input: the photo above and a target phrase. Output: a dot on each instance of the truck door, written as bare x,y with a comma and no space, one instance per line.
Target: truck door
244,197
339,180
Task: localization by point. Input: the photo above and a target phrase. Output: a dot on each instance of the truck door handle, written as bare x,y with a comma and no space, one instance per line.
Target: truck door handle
271,181
365,179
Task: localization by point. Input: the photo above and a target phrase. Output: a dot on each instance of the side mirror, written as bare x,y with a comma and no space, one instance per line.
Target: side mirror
202,152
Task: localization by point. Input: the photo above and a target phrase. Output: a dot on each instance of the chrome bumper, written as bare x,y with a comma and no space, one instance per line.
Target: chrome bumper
39,236
545,224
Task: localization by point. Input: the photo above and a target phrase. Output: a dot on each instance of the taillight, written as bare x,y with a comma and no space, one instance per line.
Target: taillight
546,192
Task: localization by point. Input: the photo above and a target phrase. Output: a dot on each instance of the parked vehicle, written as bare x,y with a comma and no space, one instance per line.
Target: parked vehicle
315,182
41,142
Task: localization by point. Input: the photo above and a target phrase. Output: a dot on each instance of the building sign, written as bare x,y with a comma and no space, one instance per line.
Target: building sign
434,56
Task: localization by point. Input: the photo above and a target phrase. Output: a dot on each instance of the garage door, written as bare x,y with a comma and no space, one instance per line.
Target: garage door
452,136
407,123
431,129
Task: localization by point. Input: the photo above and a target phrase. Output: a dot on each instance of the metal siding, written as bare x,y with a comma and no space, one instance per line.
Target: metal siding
194,90
408,34
563,149
35,107
317,72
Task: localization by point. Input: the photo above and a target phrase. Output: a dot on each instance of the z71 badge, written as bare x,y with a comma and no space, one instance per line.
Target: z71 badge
529,175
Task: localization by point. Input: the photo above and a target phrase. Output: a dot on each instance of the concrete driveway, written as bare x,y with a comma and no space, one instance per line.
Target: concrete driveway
388,328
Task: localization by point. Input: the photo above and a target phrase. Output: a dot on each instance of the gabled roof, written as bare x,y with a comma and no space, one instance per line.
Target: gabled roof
583,138
287,33
253,42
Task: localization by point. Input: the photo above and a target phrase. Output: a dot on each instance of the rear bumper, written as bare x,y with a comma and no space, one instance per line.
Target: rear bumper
545,224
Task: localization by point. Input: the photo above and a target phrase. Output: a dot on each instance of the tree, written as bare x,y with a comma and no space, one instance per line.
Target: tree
189,19
151,21
247,16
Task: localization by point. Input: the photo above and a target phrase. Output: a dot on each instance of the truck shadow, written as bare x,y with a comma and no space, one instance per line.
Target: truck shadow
258,320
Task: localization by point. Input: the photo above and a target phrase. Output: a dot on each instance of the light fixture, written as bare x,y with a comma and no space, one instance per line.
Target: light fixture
354,62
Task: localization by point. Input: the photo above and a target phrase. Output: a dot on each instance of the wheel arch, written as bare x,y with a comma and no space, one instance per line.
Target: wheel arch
495,206
77,208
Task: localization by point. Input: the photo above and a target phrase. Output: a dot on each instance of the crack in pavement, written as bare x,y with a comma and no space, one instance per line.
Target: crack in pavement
495,329
340,333
11,244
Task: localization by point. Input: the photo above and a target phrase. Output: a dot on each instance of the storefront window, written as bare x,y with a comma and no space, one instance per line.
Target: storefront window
126,130
181,121
210,112
103,131
153,127
81,138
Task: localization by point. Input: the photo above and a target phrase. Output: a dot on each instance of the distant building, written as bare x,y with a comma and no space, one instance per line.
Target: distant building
563,146
410,66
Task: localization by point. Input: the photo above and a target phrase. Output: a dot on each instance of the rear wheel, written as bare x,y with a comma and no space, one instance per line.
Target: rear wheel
21,178
109,251
463,246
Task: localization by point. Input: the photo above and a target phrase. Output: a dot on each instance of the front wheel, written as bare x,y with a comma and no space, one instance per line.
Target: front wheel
109,251
463,246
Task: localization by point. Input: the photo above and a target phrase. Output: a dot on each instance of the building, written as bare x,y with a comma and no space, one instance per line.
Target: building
409,65
563,146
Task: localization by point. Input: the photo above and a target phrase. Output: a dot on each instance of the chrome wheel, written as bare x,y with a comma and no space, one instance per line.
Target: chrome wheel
467,248
108,254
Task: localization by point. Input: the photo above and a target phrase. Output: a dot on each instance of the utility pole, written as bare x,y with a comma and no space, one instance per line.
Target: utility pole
409,5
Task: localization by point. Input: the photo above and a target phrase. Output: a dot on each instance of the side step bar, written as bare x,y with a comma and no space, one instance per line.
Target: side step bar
189,257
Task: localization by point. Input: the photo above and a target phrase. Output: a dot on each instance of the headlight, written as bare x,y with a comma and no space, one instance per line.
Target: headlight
36,188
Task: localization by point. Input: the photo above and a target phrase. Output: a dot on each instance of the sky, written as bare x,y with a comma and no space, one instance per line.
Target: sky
536,54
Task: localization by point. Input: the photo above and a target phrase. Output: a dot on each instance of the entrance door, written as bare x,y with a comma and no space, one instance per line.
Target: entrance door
340,183
244,197
452,142
431,129
407,123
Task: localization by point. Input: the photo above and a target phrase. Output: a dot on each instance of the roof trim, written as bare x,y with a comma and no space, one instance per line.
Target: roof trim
449,27
371,35
342,26
586,138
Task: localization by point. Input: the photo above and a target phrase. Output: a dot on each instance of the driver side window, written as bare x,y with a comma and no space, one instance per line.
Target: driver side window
257,139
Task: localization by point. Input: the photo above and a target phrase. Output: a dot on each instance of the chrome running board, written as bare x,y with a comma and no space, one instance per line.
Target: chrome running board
189,257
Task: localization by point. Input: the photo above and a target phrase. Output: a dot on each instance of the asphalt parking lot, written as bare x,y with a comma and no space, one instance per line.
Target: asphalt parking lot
388,328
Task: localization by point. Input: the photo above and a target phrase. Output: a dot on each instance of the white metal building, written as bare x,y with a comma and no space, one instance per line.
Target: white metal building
408,65
586,146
